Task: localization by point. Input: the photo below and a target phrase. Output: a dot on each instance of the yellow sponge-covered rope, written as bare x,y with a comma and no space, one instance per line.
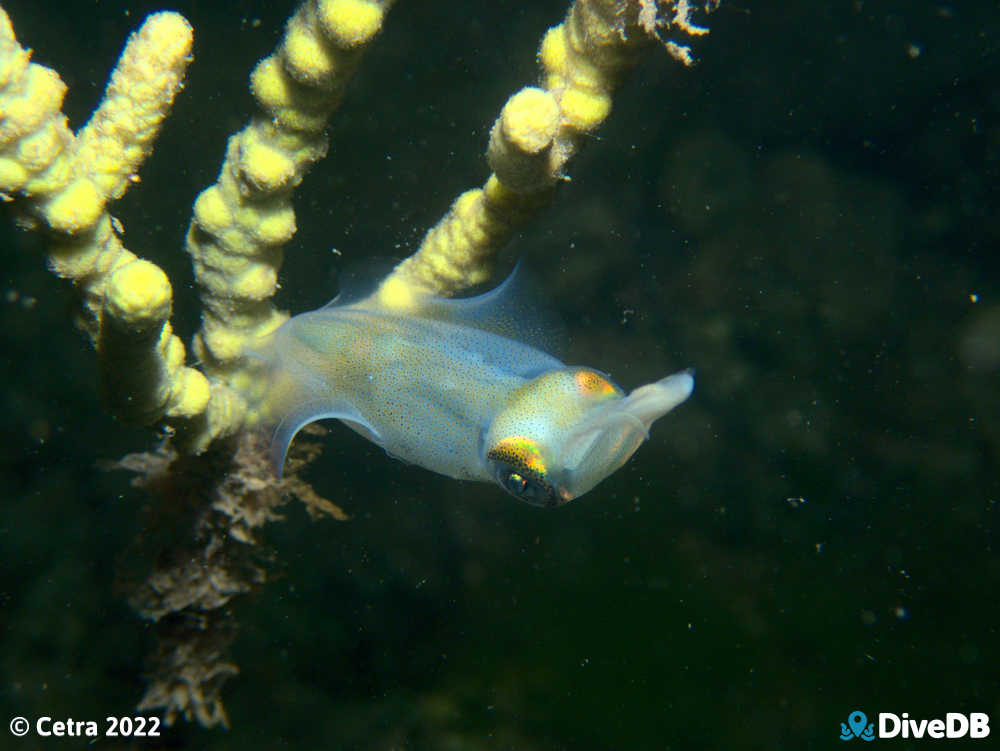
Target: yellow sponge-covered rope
64,183
582,60
241,223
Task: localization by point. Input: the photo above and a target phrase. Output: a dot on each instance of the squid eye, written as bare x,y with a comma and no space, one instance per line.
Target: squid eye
525,488
515,483
520,469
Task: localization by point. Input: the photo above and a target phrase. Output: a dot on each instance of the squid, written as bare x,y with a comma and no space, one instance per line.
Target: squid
461,387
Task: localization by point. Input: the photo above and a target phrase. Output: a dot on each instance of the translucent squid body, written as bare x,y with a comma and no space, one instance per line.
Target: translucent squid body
459,387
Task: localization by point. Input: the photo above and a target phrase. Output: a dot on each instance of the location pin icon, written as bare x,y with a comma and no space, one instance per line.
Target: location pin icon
857,721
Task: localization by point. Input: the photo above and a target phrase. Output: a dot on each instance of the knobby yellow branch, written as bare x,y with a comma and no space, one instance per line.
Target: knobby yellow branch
242,222
582,61
64,182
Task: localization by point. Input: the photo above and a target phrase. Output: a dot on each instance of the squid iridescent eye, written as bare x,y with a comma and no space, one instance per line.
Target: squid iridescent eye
528,489
519,469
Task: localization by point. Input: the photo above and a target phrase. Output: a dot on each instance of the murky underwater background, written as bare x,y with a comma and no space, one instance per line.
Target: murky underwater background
809,218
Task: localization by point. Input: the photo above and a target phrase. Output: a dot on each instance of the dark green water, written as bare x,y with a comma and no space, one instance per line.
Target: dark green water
809,218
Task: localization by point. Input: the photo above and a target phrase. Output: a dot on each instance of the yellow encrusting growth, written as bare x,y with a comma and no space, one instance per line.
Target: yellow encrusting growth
520,150
120,133
141,361
582,60
266,168
138,294
538,131
351,22
64,182
33,131
241,222
75,208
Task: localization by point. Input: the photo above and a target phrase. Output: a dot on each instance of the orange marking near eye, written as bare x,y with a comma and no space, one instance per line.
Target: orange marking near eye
593,383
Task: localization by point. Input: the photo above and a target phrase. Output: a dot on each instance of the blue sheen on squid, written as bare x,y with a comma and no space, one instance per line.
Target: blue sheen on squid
460,387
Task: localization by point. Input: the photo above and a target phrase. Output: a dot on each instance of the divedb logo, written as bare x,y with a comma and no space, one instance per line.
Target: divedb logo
974,725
